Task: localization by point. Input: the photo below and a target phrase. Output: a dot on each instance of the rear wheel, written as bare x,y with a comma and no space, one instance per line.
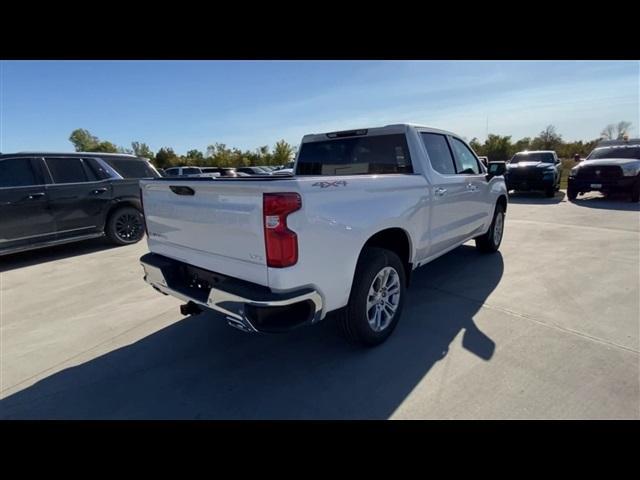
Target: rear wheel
571,194
490,241
550,192
125,226
376,300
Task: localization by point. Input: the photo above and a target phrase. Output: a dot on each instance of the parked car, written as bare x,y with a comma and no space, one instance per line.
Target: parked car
283,171
222,171
182,171
612,167
365,208
253,170
534,170
54,198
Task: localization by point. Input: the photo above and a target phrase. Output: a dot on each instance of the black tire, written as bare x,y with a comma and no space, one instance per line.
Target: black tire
125,226
353,319
571,194
488,243
550,192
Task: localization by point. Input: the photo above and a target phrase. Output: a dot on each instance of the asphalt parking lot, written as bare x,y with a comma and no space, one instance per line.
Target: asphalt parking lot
546,329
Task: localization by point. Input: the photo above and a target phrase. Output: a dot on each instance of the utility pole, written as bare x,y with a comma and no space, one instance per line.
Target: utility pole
487,132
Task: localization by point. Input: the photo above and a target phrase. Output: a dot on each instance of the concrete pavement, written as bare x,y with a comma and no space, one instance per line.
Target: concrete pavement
547,328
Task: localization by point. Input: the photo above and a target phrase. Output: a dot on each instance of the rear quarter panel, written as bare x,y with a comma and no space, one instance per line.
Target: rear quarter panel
338,216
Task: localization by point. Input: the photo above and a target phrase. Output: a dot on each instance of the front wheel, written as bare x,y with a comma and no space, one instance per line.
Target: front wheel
376,300
125,226
490,241
572,194
550,192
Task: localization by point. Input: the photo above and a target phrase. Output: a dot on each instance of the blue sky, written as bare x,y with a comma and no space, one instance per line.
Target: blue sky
192,104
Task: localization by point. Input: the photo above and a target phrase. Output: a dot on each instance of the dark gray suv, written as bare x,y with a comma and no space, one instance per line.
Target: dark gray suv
53,198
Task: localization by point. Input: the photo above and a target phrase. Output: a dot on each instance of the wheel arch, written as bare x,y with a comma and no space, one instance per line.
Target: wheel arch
397,240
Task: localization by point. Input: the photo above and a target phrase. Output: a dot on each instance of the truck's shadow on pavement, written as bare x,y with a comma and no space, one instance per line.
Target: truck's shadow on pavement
200,368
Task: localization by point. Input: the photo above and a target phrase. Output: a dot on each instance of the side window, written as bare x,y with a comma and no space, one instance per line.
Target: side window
95,170
67,170
439,153
17,172
466,162
131,168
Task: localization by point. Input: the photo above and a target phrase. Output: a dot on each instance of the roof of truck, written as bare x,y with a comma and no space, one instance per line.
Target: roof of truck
391,128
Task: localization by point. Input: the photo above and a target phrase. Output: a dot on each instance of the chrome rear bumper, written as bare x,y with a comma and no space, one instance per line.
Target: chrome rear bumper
234,306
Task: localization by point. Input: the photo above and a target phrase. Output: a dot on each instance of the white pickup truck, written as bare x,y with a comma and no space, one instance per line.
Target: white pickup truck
363,209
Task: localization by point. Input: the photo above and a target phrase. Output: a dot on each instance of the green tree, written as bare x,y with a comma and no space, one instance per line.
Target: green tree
548,139
142,150
166,158
477,146
194,157
497,147
283,153
83,141
106,147
521,145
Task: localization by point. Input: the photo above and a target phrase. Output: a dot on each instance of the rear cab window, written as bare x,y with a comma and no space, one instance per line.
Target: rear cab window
378,154
439,153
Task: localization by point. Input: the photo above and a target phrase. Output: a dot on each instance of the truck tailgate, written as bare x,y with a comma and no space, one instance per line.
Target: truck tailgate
212,224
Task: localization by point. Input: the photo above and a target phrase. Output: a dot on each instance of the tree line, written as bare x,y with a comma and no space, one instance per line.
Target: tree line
216,155
496,147
500,148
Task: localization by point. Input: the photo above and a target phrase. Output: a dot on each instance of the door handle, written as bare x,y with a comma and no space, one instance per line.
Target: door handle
440,191
98,191
35,195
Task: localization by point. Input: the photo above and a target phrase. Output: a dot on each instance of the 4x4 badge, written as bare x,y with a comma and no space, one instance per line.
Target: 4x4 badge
335,183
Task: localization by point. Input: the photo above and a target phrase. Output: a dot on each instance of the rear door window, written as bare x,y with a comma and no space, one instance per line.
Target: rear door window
381,154
439,153
67,170
18,172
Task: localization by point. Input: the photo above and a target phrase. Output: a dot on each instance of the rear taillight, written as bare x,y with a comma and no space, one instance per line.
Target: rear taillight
281,243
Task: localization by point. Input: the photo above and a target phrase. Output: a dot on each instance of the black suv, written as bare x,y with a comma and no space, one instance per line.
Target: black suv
534,170
53,198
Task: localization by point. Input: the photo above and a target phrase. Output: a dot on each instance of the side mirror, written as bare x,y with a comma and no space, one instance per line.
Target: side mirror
496,169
